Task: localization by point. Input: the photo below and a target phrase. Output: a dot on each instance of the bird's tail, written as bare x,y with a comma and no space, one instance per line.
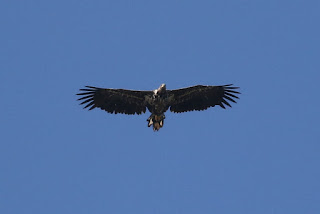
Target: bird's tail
156,121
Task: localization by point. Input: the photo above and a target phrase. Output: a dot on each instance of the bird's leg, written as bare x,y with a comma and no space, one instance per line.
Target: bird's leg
156,121
150,120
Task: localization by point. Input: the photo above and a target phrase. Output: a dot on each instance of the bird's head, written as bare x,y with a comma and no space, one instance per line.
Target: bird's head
161,90
162,87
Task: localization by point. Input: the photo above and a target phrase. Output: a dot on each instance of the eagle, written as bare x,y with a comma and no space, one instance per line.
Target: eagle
198,98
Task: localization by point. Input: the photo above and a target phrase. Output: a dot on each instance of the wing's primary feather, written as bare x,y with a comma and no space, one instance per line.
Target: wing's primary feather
201,97
114,100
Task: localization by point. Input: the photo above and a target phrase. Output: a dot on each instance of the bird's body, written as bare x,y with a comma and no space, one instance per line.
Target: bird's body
158,101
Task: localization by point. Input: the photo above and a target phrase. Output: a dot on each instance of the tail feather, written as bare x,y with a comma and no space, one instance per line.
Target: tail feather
156,121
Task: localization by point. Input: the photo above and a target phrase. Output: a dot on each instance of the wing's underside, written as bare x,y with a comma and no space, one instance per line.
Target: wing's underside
201,97
114,100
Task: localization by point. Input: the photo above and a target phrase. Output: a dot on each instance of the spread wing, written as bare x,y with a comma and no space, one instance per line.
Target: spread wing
201,97
114,100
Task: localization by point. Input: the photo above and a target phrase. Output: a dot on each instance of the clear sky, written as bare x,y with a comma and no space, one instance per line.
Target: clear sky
261,156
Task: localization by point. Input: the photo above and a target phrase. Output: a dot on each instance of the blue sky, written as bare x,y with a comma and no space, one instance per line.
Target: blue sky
261,156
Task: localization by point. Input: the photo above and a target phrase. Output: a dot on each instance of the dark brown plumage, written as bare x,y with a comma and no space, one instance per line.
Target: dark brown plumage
158,101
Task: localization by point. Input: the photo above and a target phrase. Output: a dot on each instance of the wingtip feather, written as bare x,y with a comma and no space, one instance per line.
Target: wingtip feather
225,102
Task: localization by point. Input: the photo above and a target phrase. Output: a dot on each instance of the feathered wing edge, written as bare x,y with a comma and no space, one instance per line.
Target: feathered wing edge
88,96
229,95
114,100
201,97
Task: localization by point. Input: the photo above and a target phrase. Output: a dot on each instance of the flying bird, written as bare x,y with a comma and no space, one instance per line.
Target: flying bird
199,97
